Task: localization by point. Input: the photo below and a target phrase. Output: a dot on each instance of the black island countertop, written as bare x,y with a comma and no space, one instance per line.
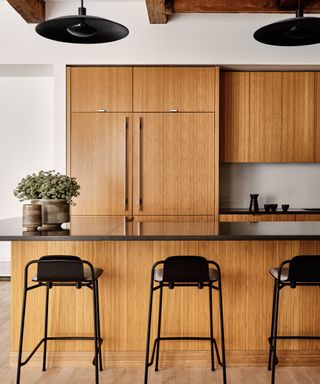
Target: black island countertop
94,228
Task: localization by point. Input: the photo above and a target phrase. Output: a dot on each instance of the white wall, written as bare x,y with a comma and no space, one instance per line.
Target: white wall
186,39
26,135
294,184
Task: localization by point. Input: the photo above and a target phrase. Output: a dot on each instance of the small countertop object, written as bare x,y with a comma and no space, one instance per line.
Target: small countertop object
245,211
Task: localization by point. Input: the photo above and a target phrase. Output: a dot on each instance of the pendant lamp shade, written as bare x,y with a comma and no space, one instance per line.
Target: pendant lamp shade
82,29
291,32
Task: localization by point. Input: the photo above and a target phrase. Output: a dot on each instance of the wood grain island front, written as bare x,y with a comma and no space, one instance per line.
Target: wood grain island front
124,292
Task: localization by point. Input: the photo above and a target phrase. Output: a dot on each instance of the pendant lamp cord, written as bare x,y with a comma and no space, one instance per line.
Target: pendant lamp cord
299,12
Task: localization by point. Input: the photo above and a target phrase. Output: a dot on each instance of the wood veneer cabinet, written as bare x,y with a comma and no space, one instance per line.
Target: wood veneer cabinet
101,151
174,164
265,112
101,89
167,166
268,117
298,122
234,101
182,89
317,117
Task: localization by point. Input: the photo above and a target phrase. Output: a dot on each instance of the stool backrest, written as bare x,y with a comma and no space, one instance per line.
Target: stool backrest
186,269
55,268
304,269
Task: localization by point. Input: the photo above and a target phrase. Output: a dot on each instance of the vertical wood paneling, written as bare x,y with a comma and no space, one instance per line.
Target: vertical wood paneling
216,146
97,161
161,89
124,295
106,88
234,130
317,118
265,116
177,164
298,105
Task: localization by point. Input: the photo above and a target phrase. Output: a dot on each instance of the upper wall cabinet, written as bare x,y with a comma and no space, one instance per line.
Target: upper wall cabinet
234,99
298,123
265,117
268,117
173,89
101,89
317,118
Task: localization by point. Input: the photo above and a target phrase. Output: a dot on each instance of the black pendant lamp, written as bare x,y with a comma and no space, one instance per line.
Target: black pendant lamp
82,29
291,32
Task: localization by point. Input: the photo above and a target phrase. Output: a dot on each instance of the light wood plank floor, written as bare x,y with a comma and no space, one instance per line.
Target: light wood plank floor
241,375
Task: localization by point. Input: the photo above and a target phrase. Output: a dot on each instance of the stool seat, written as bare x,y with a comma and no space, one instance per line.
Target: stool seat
86,274
284,273
213,275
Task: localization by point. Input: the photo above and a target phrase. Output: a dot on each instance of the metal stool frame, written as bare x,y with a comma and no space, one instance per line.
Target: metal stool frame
213,343
278,285
92,284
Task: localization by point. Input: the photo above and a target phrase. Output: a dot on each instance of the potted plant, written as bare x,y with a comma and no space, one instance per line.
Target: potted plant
53,191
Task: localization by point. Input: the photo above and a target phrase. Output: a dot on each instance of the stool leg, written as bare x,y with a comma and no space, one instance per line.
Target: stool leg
224,373
274,334
159,329
23,315
95,321
98,324
148,333
45,328
211,327
272,320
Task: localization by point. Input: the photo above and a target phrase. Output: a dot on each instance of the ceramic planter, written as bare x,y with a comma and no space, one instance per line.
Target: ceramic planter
54,212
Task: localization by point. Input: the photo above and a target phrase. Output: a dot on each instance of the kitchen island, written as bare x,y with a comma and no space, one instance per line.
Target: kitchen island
126,250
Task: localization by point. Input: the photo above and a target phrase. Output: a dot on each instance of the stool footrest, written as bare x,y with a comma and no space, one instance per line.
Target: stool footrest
60,338
156,341
294,337
286,337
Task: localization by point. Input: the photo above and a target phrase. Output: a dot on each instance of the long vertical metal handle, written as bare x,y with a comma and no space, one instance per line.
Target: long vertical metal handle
139,165
125,164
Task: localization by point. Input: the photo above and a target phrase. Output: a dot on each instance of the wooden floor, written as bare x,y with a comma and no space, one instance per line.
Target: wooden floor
241,375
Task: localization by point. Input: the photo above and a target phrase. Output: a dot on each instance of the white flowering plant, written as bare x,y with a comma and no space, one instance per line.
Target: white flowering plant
47,185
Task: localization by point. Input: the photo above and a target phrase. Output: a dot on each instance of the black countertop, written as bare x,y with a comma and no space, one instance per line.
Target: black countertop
119,229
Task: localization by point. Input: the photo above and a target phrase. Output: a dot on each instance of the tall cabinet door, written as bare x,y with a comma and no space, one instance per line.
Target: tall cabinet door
101,160
97,89
298,117
265,117
173,164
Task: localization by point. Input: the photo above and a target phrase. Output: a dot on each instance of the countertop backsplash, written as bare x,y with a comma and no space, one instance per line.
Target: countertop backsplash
294,184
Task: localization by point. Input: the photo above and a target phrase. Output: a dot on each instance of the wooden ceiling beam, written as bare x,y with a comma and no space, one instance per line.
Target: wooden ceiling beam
157,11
242,6
33,11
293,4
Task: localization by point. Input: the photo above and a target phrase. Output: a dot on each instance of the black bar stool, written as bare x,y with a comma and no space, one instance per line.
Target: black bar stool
185,271
62,271
300,270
